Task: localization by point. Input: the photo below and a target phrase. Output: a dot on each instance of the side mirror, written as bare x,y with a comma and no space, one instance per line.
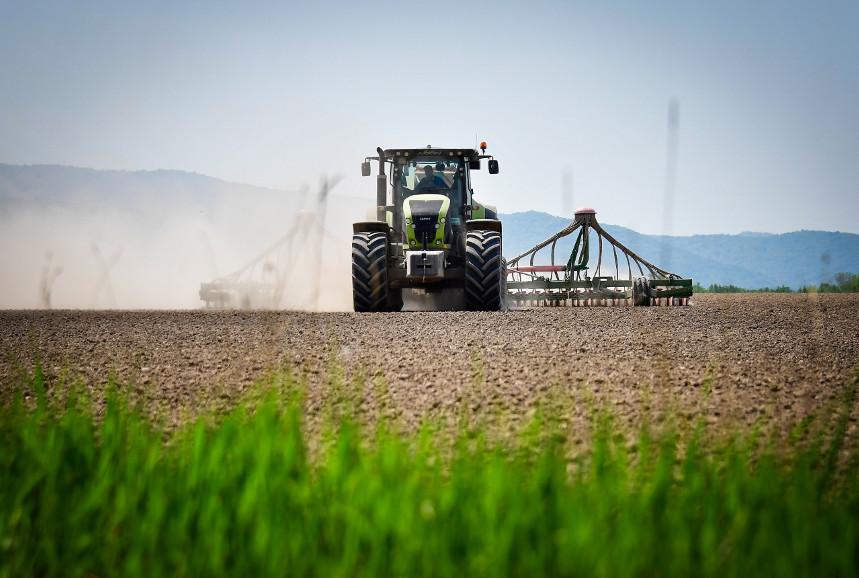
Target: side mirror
493,167
474,165
365,169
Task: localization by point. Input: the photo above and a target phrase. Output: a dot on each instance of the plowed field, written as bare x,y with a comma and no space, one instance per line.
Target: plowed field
731,359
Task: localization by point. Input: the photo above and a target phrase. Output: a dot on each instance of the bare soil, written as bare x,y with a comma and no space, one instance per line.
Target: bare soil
730,359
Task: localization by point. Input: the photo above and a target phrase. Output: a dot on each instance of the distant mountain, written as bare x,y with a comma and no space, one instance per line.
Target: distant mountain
141,239
152,198
750,260
140,191
173,229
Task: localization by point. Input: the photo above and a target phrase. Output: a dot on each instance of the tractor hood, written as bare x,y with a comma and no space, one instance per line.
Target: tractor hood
426,218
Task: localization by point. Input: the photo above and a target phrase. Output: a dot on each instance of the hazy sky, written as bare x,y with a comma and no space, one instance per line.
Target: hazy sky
275,94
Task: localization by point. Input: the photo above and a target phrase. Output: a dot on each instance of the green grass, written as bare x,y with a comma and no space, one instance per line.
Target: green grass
107,493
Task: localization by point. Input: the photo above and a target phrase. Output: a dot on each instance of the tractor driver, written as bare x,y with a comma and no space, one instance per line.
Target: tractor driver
430,180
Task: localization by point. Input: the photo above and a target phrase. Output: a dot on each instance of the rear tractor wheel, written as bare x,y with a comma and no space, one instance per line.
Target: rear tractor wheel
484,271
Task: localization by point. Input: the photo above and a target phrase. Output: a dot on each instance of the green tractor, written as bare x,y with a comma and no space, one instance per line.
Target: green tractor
429,235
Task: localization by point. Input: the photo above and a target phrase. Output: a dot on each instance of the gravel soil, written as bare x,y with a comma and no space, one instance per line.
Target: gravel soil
730,359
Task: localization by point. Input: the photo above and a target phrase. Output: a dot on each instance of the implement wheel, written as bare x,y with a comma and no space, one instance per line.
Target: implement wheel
641,294
484,271
370,289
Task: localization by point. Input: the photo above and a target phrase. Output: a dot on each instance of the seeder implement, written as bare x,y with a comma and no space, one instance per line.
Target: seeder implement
578,283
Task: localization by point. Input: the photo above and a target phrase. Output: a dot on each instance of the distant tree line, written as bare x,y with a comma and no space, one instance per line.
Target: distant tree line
717,288
843,283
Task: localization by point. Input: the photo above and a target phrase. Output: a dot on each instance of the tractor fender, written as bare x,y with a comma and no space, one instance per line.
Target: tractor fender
481,211
483,225
370,227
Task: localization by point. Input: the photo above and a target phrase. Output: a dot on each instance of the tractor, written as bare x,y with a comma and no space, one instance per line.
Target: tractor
430,234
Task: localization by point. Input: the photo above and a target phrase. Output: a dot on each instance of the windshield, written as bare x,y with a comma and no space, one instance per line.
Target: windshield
430,175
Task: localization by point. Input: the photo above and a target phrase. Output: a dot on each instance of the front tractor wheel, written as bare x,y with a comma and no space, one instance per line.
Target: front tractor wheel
370,289
484,271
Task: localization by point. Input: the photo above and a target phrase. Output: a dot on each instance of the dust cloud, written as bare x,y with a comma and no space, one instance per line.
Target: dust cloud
84,248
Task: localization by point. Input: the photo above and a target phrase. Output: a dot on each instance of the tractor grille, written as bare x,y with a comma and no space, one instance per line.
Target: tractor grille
425,219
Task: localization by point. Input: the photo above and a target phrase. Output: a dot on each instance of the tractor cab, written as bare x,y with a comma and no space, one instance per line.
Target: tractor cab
426,209
430,188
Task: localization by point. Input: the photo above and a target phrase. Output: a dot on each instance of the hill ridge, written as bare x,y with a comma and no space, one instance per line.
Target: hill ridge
748,259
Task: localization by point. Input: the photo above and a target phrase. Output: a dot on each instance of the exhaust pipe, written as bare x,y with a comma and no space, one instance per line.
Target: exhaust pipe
381,187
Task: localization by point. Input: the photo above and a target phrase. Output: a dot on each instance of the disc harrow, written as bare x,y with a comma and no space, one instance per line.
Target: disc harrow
579,283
